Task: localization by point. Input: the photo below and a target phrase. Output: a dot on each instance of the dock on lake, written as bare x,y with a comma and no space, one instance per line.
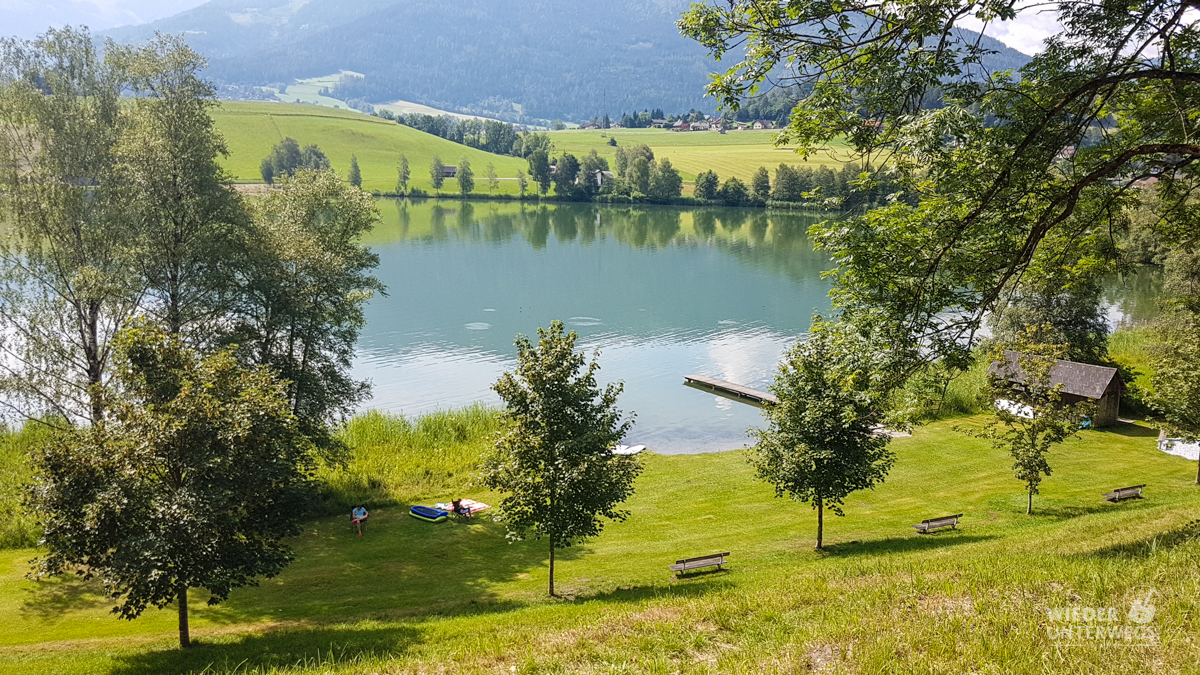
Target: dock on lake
736,392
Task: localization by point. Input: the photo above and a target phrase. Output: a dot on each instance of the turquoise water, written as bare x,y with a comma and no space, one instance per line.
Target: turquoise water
661,292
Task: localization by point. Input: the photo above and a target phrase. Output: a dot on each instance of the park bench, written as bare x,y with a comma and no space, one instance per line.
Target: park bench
927,526
1131,492
689,564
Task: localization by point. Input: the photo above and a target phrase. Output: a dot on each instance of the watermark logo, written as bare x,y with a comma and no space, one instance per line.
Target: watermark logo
1128,626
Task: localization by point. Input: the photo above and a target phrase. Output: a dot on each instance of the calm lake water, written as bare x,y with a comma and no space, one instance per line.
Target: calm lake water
662,292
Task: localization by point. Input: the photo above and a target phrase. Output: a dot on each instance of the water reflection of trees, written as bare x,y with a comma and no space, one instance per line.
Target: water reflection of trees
771,240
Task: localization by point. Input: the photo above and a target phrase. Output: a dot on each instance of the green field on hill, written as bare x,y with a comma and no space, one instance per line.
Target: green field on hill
252,129
414,597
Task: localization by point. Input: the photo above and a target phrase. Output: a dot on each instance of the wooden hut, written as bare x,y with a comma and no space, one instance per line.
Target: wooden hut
1080,381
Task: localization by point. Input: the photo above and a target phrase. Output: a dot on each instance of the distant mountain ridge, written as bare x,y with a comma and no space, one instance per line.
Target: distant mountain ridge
569,59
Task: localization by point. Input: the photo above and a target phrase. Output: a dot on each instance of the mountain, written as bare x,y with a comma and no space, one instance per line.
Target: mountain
569,59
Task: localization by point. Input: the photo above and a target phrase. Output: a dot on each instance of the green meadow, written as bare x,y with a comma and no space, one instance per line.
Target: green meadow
252,129
414,597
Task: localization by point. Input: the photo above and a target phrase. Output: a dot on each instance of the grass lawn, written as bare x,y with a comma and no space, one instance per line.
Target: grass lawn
734,153
413,597
252,129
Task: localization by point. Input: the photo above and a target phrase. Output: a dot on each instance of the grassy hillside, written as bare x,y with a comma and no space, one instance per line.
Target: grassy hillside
412,597
252,129
734,153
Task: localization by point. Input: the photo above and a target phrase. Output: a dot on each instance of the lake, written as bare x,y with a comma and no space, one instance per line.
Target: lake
662,292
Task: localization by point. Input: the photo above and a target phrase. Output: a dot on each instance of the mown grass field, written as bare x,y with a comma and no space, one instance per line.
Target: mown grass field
734,153
413,597
252,129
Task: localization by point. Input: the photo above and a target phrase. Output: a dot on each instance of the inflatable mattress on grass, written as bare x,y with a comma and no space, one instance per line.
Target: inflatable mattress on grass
427,514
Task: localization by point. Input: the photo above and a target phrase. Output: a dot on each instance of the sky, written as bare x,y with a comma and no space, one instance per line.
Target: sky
27,18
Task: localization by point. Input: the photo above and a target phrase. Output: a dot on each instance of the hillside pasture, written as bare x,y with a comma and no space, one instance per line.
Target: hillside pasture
252,129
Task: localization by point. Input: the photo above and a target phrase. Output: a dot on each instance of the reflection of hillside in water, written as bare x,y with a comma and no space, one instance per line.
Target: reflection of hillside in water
775,241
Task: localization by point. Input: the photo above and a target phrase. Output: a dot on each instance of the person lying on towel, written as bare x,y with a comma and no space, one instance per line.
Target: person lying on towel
359,515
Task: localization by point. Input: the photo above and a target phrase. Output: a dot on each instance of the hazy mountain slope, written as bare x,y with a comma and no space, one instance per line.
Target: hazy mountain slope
573,59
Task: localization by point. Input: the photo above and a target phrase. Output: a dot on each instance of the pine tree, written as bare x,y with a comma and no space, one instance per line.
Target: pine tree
355,174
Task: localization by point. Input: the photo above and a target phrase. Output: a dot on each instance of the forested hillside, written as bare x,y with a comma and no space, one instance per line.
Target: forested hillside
545,59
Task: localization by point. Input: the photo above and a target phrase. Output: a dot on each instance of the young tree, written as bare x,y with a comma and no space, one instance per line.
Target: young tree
639,175
665,181
355,177
437,174
490,174
465,177
760,184
590,169
539,171
402,176
522,183
554,458
194,479
707,185
820,443
1029,414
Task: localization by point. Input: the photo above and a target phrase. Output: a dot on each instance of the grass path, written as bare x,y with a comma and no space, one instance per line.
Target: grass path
416,597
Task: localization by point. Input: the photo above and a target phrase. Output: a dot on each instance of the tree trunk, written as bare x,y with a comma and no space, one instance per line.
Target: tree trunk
820,522
185,639
1198,473
1029,505
551,566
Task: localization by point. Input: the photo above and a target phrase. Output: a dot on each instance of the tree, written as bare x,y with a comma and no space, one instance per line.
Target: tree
787,185
665,181
760,184
539,171
820,443
1175,382
565,174
999,172
554,457
522,183
437,173
195,478
1029,414
402,176
707,185
490,174
590,172
307,282
1066,311
733,192
68,280
639,175
355,177
465,177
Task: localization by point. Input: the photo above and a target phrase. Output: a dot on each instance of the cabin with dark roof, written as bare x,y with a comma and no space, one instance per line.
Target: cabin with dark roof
1080,381
449,171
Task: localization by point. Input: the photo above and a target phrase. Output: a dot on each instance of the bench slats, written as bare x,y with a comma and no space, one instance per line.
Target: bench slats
686,564
925,526
1131,492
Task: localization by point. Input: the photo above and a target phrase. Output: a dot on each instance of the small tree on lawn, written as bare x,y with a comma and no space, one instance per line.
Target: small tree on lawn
820,443
522,183
489,172
465,177
402,176
355,175
437,176
555,457
194,479
1029,415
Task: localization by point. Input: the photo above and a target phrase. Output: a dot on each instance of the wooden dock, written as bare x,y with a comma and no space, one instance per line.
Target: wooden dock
730,390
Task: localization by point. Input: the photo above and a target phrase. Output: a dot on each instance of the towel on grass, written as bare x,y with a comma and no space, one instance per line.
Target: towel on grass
472,505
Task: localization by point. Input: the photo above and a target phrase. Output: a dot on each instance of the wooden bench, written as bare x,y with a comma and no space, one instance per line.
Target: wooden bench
927,526
1131,492
689,564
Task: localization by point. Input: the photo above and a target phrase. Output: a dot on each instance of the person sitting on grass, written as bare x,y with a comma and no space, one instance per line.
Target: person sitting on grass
464,511
358,515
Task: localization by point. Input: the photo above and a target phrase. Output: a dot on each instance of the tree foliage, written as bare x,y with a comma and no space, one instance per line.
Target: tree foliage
539,171
707,185
1175,390
287,157
820,443
437,175
403,175
554,458
194,478
465,177
355,175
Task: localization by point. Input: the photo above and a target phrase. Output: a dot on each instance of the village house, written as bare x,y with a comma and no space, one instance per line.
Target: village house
764,124
1080,381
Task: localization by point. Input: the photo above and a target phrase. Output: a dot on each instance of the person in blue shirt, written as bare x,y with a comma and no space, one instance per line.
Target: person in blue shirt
359,515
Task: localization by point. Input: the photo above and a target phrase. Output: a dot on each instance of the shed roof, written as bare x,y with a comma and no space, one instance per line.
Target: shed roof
1077,379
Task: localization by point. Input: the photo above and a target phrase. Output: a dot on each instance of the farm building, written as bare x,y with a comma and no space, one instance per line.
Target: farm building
449,171
1080,381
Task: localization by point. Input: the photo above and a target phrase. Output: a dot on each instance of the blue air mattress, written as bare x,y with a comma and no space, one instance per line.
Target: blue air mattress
427,514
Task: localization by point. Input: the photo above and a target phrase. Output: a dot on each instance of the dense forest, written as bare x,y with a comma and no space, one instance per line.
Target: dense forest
500,58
